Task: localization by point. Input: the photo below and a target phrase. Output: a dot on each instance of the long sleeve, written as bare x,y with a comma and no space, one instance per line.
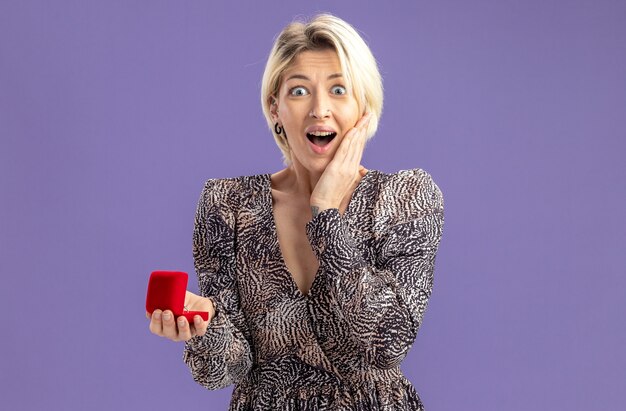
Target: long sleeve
222,356
382,298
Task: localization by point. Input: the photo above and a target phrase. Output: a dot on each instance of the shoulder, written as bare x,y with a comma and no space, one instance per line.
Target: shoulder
408,194
227,193
418,183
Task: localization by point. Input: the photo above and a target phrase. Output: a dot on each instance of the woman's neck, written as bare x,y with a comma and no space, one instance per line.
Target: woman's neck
296,180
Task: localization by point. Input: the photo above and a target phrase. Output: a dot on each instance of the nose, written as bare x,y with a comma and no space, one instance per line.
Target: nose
320,108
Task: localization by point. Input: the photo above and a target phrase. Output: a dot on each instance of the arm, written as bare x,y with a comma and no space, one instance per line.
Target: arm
383,303
222,355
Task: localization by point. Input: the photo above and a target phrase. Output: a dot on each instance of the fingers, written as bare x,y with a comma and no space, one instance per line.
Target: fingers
199,325
363,121
163,324
155,323
354,150
360,126
184,331
190,298
350,144
169,329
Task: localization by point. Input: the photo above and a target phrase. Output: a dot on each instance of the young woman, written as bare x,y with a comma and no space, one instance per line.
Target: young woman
316,277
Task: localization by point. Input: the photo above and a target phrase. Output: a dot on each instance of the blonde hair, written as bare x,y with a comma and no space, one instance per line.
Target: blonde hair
358,66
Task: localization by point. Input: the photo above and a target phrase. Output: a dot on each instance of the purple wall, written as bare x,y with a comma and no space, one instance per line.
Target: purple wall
114,113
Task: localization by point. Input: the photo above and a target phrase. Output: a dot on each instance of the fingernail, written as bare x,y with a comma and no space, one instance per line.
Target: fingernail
197,319
167,316
181,322
156,315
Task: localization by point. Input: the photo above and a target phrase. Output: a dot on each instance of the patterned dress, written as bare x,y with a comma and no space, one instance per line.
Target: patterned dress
340,346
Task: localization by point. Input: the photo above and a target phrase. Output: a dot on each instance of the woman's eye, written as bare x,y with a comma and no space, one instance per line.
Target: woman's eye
298,91
339,90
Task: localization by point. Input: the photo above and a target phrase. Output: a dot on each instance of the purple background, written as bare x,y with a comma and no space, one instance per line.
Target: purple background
114,113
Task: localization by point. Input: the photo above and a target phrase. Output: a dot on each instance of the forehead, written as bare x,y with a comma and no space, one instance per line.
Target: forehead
322,61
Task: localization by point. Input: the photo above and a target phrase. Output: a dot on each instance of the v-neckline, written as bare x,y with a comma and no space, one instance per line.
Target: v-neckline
274,232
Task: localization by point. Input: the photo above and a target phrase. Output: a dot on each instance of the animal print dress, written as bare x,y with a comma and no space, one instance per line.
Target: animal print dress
340,346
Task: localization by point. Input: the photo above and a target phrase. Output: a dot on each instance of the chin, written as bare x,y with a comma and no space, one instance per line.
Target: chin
318,164
312,163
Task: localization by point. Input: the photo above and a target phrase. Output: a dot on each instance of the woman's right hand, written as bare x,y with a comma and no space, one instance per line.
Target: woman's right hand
162,323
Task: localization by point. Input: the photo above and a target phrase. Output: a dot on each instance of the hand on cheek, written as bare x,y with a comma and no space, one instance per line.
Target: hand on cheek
343,169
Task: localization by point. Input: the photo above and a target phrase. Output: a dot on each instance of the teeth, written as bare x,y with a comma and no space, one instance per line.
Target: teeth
321,133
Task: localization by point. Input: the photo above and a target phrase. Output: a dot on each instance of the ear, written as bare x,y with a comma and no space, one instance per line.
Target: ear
274,108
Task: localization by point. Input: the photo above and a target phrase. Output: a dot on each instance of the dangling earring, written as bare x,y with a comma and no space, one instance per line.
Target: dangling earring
278,129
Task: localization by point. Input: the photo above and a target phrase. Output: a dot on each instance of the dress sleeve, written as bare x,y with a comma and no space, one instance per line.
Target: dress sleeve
222,356
383,301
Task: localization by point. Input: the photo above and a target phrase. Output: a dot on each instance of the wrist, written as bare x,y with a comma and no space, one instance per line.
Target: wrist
318,207
211,309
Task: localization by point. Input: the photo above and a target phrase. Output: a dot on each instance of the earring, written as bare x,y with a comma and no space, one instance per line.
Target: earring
278,129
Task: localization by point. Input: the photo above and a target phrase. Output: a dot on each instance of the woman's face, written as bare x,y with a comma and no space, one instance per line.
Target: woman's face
313,99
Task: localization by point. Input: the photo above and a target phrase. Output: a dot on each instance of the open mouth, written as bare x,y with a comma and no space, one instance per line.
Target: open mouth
321,139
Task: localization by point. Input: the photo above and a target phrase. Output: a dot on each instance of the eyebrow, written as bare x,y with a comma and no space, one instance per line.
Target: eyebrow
303,77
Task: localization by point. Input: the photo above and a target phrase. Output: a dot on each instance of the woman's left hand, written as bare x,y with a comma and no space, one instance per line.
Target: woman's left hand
343,170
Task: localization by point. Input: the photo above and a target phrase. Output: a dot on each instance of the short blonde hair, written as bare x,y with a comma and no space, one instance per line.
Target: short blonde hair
358,66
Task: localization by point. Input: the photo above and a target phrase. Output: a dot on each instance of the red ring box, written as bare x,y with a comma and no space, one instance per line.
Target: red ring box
166,291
